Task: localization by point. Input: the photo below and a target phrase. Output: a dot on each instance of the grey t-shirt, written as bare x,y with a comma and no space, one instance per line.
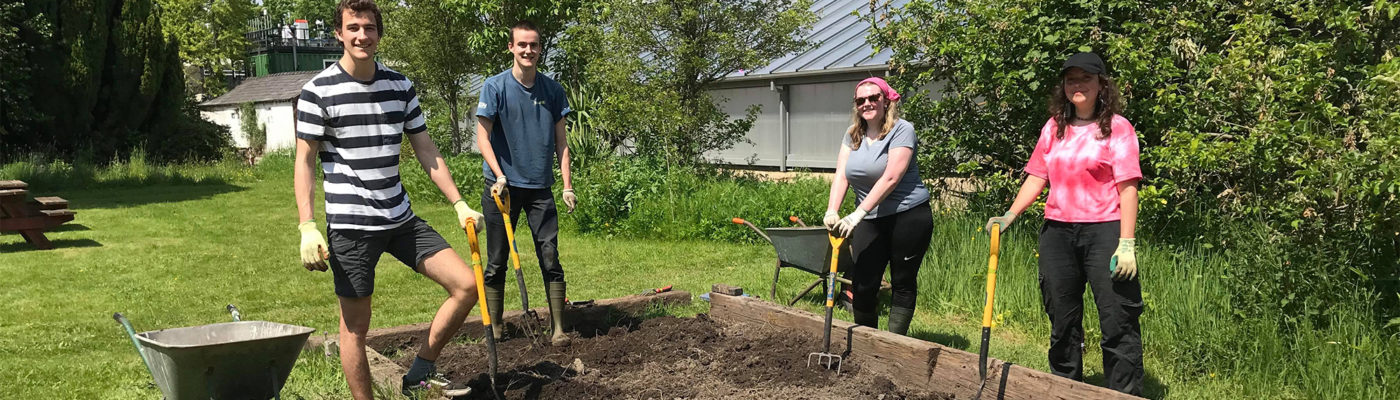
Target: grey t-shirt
866,164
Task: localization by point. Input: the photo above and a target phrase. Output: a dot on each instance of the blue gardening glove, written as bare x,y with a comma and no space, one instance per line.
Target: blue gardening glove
465,212
1123,265
1004,221
845,226
314,250
830,220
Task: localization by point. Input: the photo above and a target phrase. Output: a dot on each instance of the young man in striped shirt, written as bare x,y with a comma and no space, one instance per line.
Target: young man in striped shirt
520,128
354,116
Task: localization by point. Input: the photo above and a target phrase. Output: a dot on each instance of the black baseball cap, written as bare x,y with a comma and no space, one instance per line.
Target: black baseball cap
1089,62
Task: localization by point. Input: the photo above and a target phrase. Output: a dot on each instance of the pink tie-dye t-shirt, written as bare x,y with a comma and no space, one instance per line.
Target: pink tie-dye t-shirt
1084,171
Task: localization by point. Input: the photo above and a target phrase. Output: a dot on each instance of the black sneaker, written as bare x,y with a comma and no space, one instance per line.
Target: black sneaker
435,382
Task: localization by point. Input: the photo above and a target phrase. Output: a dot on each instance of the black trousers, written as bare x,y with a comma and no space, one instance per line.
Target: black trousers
543,217
899,241
1071,255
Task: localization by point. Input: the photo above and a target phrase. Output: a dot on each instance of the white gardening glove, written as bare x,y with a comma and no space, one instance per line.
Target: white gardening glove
465,212
1123,265
314,250
570,199
1003,221
831,219
845,226
499,187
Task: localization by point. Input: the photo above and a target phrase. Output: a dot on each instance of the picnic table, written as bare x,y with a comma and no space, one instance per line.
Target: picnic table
30,218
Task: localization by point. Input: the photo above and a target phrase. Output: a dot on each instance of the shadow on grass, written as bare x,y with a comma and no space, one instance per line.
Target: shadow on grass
21,246
1152,388
947,339
130,196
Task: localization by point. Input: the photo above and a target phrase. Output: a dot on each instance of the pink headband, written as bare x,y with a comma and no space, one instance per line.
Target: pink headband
884,87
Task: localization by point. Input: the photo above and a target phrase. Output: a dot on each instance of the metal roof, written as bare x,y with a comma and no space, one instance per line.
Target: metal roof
839,43
275,87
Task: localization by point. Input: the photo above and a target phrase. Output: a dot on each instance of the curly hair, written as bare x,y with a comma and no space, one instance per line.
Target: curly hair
1109,103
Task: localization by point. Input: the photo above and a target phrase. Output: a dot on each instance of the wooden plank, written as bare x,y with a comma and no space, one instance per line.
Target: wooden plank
30,223
727,289
908,361
51,203
634,304
13,194
11,184
58,213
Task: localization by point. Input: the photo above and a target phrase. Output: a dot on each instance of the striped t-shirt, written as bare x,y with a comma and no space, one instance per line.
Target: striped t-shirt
360,125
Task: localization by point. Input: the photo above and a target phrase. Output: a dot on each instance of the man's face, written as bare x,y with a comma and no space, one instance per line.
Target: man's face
525,45
358,34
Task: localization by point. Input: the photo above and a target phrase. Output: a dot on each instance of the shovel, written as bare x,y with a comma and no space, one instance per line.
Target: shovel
826,356
503,203
492,363
987,310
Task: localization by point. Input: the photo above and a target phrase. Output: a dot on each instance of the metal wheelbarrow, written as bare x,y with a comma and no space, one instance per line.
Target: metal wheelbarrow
230,360
807,249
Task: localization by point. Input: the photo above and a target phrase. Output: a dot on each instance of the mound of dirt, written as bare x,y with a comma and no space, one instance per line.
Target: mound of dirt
659,358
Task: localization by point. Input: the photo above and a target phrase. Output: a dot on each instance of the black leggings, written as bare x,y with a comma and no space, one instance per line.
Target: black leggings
898,240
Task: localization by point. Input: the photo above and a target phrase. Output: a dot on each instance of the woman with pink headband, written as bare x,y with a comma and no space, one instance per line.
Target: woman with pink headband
892,222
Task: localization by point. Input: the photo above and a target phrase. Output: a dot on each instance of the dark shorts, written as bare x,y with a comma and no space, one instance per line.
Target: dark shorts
354,253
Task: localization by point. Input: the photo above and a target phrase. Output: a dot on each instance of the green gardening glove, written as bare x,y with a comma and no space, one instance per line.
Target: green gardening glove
1003,221
314,250
1123,265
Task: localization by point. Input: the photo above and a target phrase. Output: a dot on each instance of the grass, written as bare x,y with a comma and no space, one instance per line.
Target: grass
170,246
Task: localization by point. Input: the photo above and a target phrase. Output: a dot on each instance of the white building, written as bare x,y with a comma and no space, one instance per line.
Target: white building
273,97
805,97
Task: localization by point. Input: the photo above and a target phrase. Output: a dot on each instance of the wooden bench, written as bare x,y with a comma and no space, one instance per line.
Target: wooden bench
30,218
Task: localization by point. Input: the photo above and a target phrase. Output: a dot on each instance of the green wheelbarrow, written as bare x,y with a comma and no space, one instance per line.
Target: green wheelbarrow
804,248
230,360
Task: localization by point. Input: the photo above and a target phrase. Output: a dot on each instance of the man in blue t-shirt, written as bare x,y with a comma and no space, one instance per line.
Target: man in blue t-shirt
520,128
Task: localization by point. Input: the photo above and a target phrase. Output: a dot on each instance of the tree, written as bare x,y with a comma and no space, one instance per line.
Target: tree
655,61
15,112
211,35
442,55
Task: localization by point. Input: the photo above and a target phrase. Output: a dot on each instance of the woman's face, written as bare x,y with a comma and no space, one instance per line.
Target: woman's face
871,103
1081,88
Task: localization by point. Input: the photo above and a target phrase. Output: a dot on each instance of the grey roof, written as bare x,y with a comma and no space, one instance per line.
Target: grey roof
838,39
275,87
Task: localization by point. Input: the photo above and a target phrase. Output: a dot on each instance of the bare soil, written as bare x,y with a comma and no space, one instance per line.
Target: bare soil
658,358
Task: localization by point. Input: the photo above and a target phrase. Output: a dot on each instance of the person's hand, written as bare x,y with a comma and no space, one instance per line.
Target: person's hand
499,187
830,220
570,199
845,226
465,213
314,250
1123,265
1003,221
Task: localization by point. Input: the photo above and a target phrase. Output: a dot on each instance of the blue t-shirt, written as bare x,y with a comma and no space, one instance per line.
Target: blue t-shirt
522,131
867,164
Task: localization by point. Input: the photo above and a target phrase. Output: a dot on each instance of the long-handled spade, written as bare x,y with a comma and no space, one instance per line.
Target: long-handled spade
503,203
826,356
492,363
987,309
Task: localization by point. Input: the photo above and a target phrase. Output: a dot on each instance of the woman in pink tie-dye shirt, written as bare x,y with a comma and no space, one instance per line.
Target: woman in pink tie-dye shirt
1088,154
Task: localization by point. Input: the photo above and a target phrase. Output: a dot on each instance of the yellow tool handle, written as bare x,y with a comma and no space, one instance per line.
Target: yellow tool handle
835,250
504,206
992,276
476,269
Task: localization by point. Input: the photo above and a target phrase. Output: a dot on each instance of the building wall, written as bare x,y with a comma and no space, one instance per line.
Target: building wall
278,117
766,135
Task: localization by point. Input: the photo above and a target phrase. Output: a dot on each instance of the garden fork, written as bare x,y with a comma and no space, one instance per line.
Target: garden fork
826,356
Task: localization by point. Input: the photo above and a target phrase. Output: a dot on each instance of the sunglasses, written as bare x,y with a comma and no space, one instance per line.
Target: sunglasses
860,101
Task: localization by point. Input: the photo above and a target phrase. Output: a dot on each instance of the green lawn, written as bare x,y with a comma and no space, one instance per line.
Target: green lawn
173,253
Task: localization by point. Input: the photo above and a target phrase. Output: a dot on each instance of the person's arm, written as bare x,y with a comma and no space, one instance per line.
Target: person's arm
1030,190
561,146
1128,207
838,182
434,165
304,178
483,143
894,171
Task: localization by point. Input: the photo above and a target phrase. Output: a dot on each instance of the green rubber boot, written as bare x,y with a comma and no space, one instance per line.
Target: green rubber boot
556,291
495,297
899,320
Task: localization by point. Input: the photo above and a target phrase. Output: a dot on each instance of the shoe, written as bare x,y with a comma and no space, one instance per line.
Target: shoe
557,306
435,381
